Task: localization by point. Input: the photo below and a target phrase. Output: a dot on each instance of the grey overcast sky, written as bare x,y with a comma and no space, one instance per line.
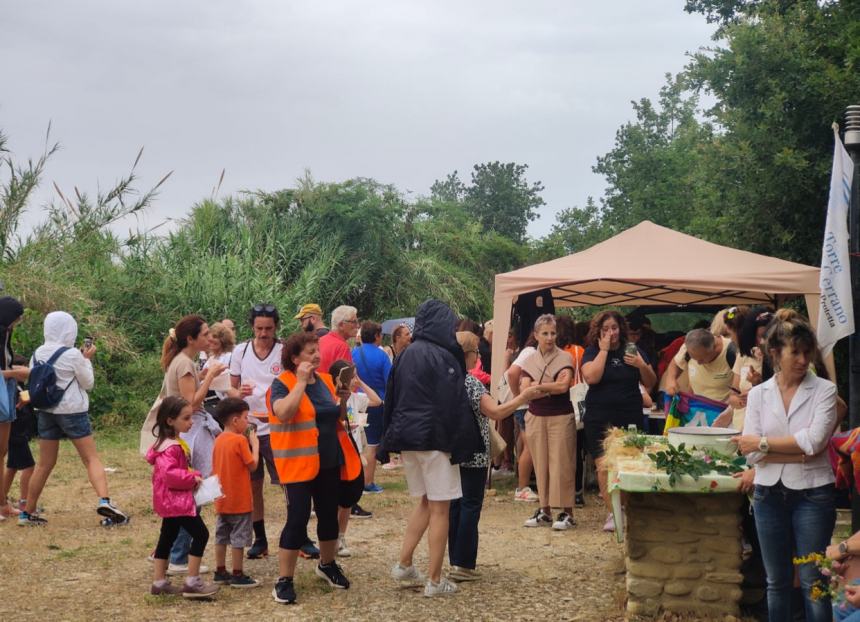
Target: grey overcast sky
404,92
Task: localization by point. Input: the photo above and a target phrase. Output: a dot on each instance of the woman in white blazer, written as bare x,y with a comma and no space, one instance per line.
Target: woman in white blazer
789,420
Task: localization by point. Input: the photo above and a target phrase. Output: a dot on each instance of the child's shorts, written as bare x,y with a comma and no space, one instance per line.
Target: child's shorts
234,529
57,427
19,457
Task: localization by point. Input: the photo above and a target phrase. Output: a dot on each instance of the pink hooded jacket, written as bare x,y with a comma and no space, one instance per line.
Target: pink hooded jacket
172,483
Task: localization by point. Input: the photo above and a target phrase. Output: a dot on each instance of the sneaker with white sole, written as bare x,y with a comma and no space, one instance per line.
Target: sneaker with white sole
31,520
609,525
332,574
243,581
107,509
284,591
563,522
408,576
342,548
539,519
525,494
443,588
458,573
176,569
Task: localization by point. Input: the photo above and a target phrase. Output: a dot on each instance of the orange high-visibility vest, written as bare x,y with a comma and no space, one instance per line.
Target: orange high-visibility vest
294,443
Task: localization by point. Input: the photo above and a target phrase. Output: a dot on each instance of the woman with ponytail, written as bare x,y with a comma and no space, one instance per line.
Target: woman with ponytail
184,342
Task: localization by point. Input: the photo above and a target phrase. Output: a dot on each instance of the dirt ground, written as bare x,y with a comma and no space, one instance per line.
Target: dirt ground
73,569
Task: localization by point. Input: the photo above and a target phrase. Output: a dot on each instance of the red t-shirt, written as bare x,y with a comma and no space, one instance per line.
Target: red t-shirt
231,459
332,348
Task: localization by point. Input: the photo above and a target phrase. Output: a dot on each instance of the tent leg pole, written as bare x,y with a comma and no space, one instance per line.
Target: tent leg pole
853,147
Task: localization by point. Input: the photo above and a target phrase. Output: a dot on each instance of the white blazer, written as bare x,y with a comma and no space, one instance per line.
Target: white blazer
810,420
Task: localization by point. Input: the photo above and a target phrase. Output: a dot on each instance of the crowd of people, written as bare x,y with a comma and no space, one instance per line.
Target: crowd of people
319,409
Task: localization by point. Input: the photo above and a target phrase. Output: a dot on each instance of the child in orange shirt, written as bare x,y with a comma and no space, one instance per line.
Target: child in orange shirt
234,456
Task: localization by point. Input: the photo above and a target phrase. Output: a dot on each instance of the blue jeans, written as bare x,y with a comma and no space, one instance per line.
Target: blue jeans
793,523
464,516
181,547
846,612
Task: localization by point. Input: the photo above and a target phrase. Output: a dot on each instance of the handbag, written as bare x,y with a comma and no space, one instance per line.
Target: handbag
497,444
147,438
8,394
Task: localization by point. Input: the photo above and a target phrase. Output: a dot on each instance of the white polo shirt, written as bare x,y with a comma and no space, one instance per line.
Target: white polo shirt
250,368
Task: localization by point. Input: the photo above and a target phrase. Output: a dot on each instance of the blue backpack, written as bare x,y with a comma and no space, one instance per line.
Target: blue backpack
44,392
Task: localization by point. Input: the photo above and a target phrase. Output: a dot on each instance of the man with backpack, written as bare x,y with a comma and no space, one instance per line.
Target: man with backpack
60,376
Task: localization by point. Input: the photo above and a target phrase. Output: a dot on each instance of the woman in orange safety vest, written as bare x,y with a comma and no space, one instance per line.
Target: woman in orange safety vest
314,458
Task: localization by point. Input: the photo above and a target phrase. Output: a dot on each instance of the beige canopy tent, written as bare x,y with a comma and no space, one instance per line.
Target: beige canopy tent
652,265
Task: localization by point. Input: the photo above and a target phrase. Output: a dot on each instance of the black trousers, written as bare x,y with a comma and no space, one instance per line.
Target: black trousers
170,527
323,490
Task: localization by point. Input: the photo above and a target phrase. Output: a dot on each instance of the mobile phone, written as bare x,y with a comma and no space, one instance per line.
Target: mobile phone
88,343
631,349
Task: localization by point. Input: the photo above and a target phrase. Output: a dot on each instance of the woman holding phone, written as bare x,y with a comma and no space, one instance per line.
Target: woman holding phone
613,368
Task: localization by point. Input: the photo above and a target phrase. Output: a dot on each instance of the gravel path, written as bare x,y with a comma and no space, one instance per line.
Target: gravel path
72,569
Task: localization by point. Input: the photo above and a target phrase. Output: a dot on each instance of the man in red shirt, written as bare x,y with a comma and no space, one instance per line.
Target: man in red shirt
333,345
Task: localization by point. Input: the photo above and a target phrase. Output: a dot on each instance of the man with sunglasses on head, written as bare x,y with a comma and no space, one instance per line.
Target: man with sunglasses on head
310,319
255,364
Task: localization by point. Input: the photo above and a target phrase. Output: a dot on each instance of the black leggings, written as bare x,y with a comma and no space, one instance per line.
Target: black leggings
323,489
579,486
170,527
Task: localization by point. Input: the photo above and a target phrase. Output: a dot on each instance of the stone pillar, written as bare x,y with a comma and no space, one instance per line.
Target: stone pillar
683,553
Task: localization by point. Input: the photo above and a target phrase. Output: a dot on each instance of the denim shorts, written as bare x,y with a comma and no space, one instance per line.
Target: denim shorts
57,427
373,431
520,418
267,459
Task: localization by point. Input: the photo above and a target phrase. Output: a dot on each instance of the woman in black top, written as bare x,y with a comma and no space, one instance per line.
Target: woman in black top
613,376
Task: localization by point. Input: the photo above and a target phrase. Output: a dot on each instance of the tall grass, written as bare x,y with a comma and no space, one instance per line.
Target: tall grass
357,242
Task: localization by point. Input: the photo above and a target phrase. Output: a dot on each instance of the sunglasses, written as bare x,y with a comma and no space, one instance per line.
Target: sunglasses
264,308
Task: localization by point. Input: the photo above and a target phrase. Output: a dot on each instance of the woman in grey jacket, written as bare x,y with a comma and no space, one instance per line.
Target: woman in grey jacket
68,419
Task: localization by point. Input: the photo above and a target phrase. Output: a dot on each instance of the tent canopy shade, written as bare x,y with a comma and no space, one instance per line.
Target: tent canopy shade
650,265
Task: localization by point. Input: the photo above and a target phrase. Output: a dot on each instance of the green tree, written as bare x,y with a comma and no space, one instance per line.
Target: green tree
499,196
787,71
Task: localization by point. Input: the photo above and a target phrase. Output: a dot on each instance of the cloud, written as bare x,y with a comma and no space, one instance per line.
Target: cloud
404,92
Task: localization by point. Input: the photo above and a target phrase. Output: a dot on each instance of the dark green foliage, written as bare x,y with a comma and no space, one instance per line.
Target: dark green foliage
499,197
678,461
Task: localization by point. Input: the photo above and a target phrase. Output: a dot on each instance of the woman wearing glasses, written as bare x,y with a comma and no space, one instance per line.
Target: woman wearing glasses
551,426
613,368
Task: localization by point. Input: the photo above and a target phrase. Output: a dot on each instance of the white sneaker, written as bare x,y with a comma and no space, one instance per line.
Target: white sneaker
342,548
563,522
443,588
408,577
175,569
525,494
539,519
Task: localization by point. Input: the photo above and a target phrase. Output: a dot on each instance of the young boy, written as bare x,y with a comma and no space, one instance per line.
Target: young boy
233,461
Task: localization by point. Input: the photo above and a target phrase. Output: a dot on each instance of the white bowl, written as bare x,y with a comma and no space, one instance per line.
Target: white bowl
718,439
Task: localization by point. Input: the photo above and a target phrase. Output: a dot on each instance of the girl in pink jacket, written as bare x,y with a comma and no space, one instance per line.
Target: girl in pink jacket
173,484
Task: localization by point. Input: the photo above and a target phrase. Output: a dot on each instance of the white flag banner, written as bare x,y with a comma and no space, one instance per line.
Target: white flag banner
836,313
